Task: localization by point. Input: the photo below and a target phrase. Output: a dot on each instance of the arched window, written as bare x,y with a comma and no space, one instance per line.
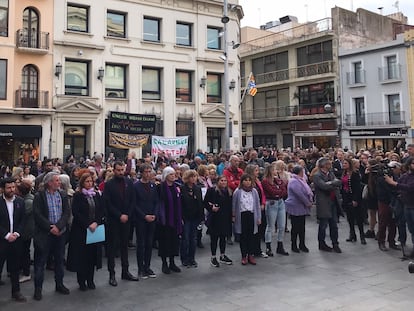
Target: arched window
30,36
30,86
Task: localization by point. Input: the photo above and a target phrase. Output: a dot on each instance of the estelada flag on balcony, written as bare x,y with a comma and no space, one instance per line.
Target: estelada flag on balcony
252,85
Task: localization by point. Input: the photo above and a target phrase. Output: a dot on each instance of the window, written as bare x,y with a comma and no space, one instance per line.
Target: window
3,79
30,85
151,83
315,53
213,38
152,29
392,68
358,73
394,109
183,33
29,37
183,86
76,78
214,88
116,24
4,18
78,18
115,81
359,110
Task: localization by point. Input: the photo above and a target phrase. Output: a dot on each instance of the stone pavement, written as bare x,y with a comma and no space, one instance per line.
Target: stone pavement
361,278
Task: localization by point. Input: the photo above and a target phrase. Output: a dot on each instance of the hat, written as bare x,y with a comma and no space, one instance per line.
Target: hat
167,171
394,164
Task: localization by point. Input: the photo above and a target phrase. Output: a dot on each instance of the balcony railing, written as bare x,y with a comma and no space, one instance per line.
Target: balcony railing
34,40
31,99
285,36
355,78
390,73
376,119
293,73
288,111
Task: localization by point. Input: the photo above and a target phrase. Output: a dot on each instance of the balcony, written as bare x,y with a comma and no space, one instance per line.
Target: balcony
355,78
31,99
36,42
311,111
294,73
376,119
390,73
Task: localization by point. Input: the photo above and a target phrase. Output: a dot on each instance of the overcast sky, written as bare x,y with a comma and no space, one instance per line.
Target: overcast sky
258,12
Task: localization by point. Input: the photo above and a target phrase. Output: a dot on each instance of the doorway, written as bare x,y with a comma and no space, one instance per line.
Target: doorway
214,139
74,141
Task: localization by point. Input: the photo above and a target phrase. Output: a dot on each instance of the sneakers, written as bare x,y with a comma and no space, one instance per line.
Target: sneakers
24,278
244,261
193,264
151,274
226,260
336,249
62,289
263,255
269,252
214,262
143,275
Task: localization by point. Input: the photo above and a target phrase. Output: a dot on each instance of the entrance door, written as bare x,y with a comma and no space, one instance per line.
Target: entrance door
30,84
31,28
214,139
75,141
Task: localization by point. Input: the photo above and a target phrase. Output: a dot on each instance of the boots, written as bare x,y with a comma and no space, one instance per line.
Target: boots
173,266
280,250
295,248
363,241
352,237
269,249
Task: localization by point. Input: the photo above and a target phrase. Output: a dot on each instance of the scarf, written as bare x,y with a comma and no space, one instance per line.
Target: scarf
89,193
173,204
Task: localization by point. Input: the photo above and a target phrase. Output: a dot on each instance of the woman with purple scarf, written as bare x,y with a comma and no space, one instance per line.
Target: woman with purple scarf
170,220
298,204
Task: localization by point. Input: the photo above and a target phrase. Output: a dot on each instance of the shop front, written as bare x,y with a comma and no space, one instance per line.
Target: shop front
19,142
385,139
319,133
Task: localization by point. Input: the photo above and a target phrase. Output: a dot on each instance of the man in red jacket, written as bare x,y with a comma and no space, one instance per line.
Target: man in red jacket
233,173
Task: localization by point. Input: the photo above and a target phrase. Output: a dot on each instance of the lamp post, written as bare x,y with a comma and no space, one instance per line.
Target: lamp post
225,20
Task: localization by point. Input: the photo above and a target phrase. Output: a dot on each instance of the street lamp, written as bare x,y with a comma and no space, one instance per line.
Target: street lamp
225,20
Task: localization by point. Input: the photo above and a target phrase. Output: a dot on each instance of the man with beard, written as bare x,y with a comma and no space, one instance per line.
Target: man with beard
12,213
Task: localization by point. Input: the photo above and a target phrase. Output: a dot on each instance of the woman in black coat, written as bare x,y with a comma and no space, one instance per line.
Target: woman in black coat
88,213
218,203
352,200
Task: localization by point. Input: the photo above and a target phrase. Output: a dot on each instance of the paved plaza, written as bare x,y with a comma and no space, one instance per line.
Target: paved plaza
361,278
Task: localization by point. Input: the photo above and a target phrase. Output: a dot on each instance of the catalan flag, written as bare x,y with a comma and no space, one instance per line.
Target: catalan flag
252,85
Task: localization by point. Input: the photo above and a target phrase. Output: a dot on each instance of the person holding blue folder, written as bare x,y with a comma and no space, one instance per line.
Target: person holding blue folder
88,214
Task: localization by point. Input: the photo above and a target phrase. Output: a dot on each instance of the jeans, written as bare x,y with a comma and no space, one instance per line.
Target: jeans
56,246
333,227
189,241
409,217
275,211
145,235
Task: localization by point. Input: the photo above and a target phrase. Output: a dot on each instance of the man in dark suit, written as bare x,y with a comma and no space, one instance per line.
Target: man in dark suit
51,215
11,226
119,198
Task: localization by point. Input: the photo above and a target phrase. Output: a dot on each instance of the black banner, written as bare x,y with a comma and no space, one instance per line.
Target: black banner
128,123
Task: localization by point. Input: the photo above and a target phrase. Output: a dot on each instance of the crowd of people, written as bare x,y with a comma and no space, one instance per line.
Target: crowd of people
245,197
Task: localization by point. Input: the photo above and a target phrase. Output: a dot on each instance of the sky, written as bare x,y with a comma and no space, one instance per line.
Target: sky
258,12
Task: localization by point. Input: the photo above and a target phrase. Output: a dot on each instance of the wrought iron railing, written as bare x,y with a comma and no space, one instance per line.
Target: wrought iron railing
31,99
376,119
33,40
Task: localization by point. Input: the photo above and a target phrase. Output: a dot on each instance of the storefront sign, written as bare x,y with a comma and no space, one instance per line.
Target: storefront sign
172,146
126,141
128,123
21,131
315,125
379,132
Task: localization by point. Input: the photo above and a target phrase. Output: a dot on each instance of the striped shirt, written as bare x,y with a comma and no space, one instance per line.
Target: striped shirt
54,202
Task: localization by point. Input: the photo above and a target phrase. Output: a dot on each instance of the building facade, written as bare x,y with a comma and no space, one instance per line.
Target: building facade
26,79
375,97
145,57
296,66
409,43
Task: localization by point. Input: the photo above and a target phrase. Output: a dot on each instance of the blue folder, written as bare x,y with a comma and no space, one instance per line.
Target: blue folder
97,236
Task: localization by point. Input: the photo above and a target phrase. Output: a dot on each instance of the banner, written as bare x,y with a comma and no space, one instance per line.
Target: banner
172,146
128,123
126,141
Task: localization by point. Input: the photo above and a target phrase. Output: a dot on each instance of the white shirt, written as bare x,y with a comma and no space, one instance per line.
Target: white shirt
10,209
246,201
